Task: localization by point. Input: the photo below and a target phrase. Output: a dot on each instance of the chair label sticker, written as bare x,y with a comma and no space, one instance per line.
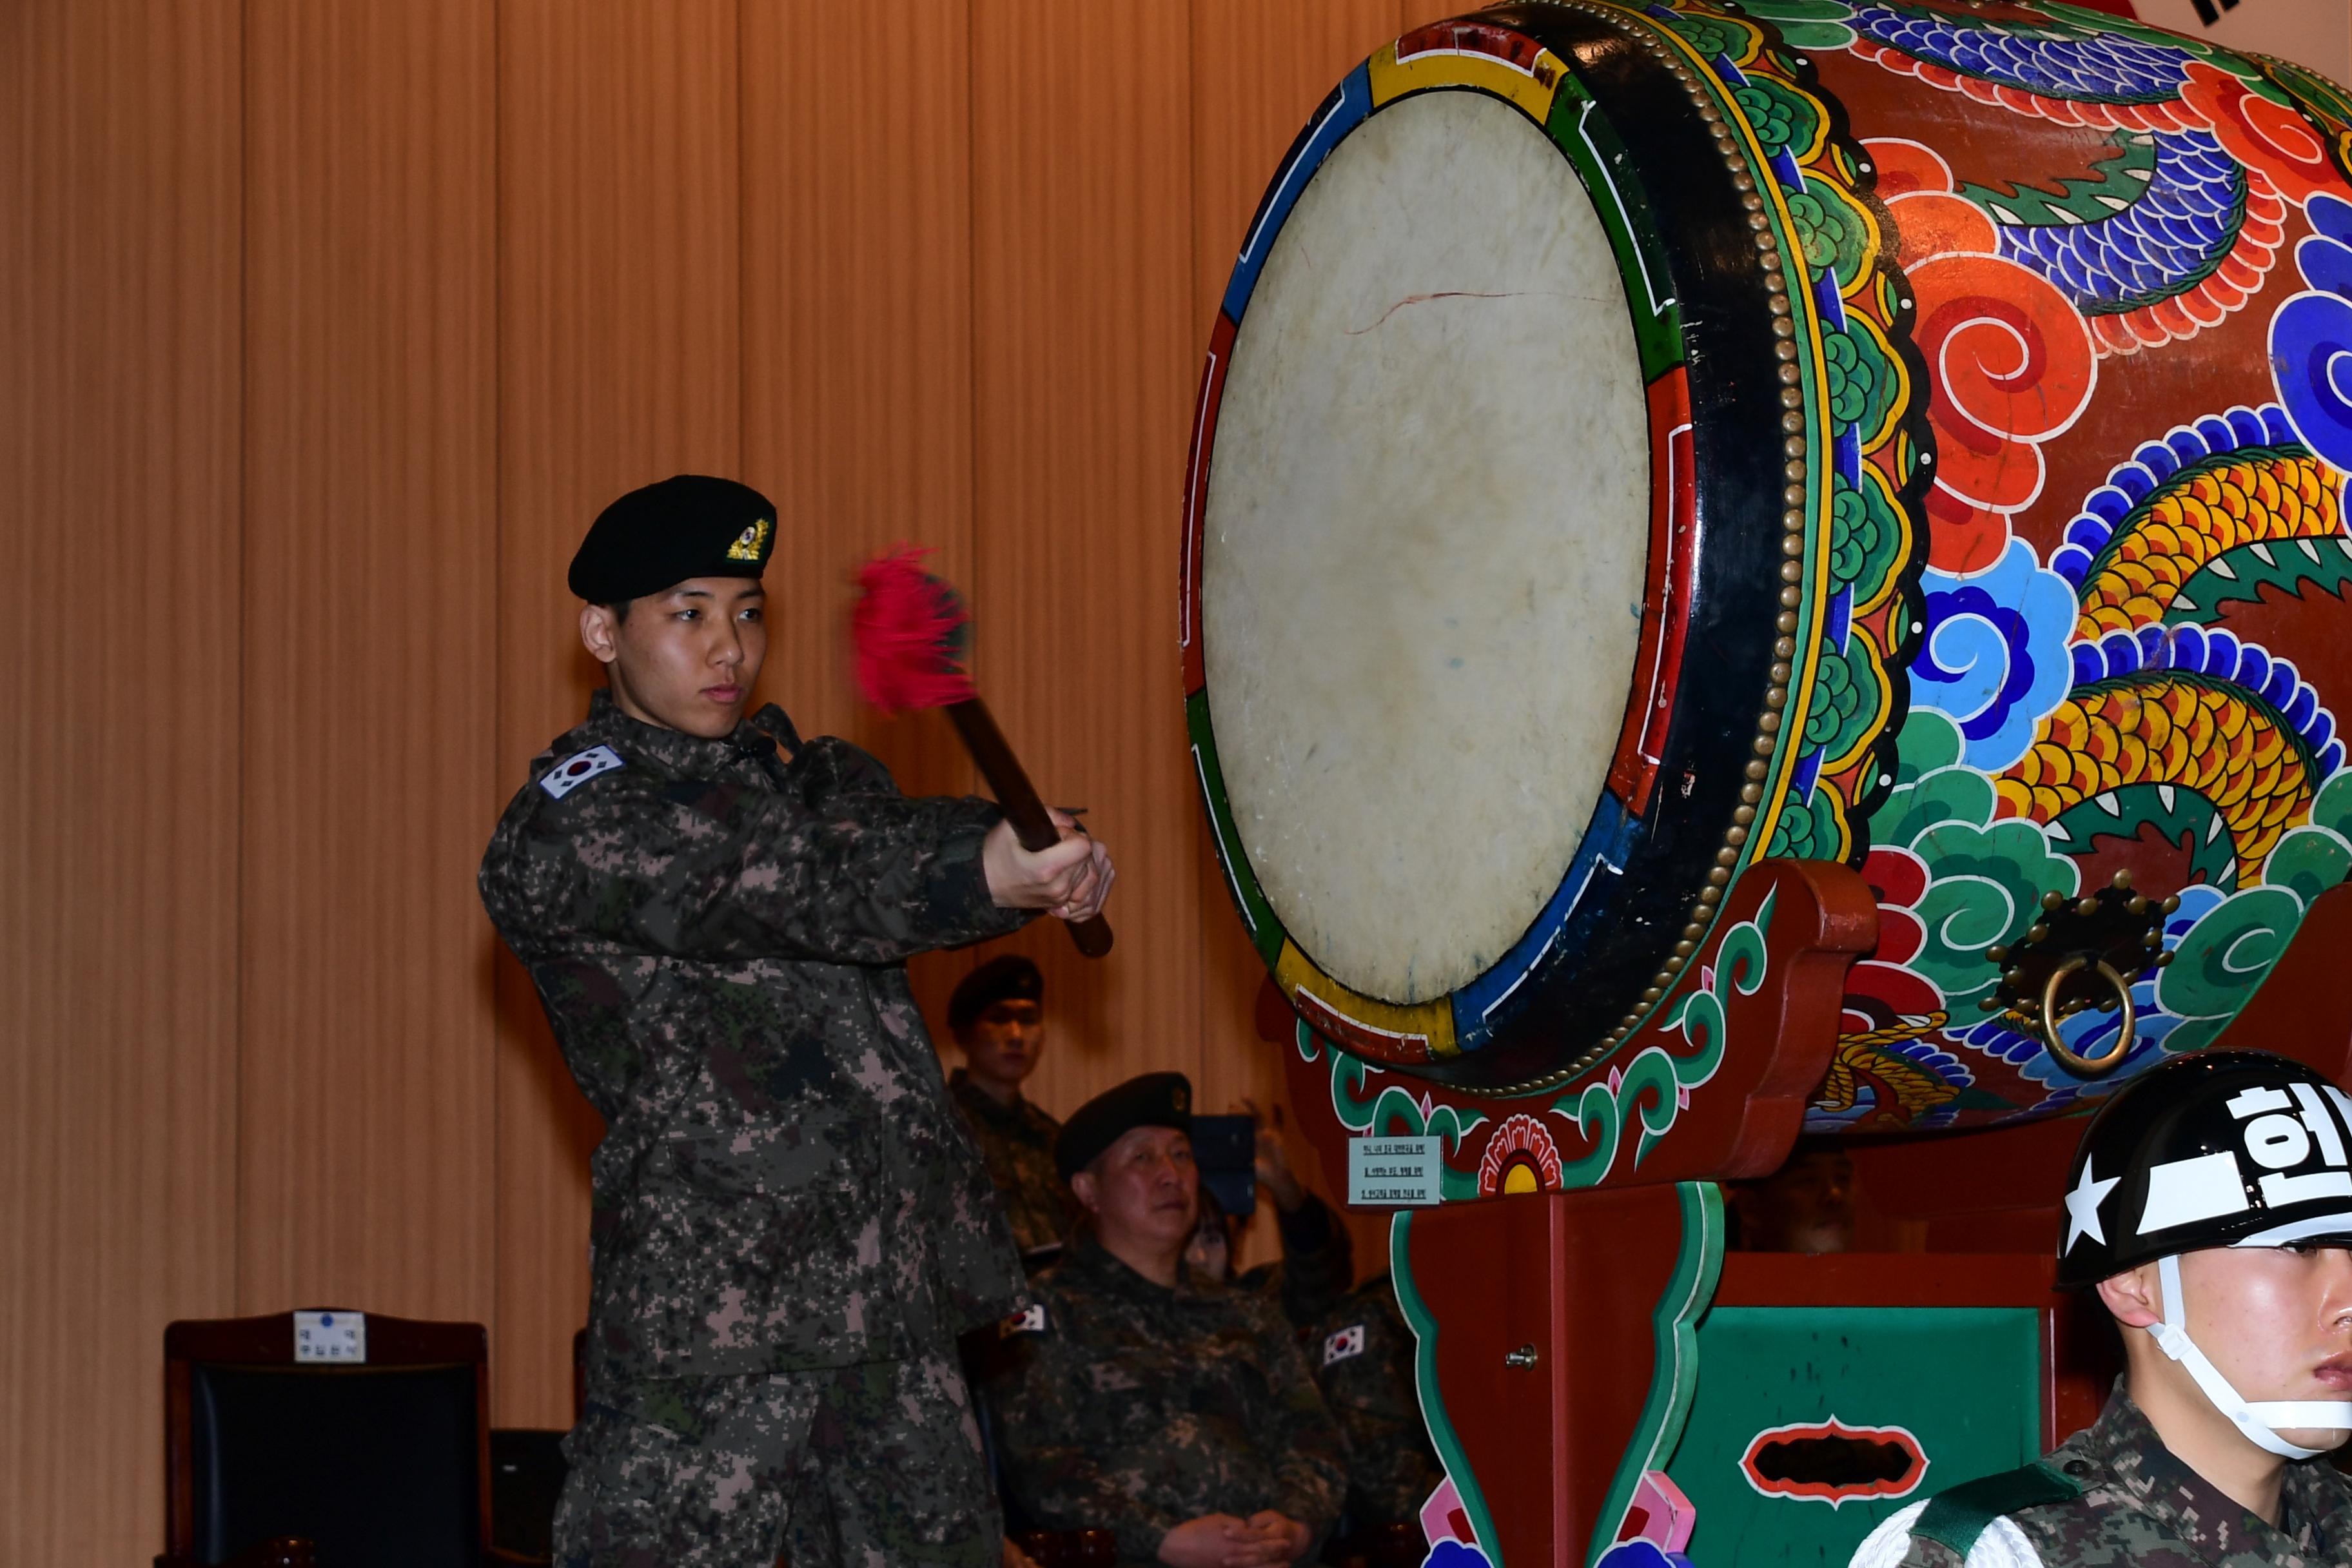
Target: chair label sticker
1395,1172
331,1336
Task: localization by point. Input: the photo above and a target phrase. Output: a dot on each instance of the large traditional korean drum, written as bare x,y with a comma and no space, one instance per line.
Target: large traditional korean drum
1639,441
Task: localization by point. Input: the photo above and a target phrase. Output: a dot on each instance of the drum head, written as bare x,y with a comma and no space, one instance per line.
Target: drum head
1428,531
1477,472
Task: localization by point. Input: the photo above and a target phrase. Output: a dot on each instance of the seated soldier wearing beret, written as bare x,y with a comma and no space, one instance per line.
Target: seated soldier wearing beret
2210,1205
997,1016
789,1223
1140,1398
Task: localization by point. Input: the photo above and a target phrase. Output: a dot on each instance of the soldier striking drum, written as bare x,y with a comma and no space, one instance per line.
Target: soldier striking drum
790,1222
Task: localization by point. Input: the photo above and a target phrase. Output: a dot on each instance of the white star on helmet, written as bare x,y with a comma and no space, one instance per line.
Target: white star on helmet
2082,1208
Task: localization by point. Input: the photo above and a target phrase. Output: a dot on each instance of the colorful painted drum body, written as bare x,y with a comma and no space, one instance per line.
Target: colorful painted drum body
1641,440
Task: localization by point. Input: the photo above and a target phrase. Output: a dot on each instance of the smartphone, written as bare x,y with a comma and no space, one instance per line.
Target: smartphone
1225,1150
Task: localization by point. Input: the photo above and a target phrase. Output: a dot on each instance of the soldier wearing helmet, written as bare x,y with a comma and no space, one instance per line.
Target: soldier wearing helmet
2209,1205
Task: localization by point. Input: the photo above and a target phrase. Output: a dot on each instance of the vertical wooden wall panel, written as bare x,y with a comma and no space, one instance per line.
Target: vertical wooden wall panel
620,351
857,344
119,199
371,595
1259,71
1082,371
329,323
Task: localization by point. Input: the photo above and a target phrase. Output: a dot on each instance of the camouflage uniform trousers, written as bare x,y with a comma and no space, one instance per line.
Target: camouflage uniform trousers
868,1466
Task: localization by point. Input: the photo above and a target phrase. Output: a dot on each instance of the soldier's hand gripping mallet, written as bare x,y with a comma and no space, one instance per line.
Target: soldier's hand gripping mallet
912,633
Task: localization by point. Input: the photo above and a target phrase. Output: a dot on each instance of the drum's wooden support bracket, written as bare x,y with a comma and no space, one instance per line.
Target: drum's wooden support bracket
1715,1086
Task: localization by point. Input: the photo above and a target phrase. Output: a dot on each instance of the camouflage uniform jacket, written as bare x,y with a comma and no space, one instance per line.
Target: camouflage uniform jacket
1129,1406
717,936
2138,1504
1318,1264
1017,1142
1362,1354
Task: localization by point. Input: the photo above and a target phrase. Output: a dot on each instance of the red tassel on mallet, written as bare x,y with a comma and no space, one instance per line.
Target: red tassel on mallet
912,635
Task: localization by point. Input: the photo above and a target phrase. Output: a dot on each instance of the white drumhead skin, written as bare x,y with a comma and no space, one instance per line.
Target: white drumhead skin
1424,544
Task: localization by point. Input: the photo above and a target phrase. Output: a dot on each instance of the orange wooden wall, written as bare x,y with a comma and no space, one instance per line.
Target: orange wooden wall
324,328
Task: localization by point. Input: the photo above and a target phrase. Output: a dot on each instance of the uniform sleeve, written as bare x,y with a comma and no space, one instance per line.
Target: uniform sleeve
1392,1469
1311,1482
1891,1545
1043,1423
1318,1262
717,872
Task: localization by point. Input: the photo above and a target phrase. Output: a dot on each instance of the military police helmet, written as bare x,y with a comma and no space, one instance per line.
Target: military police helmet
2211,1149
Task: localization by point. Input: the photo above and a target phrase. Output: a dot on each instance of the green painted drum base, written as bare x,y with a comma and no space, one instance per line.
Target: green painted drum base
1789,1395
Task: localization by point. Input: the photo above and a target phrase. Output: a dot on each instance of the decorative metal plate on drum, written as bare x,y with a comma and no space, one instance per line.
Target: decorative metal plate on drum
1639,439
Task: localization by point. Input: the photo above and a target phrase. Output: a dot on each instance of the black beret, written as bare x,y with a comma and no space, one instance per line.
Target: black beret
1155,1099
1006,978
690,525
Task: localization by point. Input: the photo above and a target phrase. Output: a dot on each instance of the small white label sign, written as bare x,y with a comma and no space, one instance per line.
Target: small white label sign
1395,1172
331,1336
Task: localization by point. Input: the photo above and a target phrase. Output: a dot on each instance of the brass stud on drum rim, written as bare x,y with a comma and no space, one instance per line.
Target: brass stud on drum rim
1795,520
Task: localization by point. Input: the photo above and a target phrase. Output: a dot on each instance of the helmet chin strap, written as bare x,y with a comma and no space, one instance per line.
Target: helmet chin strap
2261,1421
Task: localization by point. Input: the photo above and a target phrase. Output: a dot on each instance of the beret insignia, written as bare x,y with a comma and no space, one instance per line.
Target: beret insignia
752,544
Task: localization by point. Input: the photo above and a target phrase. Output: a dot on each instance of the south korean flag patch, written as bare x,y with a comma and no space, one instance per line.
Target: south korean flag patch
1031,1321
1347,1342
572,772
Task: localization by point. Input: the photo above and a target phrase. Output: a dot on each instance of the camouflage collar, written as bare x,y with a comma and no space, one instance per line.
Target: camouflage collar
1018,1117
1089,1258
984,1106
691,755
2126,1447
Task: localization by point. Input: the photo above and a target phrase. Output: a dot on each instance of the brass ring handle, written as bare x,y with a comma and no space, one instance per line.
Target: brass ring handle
2107,1060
